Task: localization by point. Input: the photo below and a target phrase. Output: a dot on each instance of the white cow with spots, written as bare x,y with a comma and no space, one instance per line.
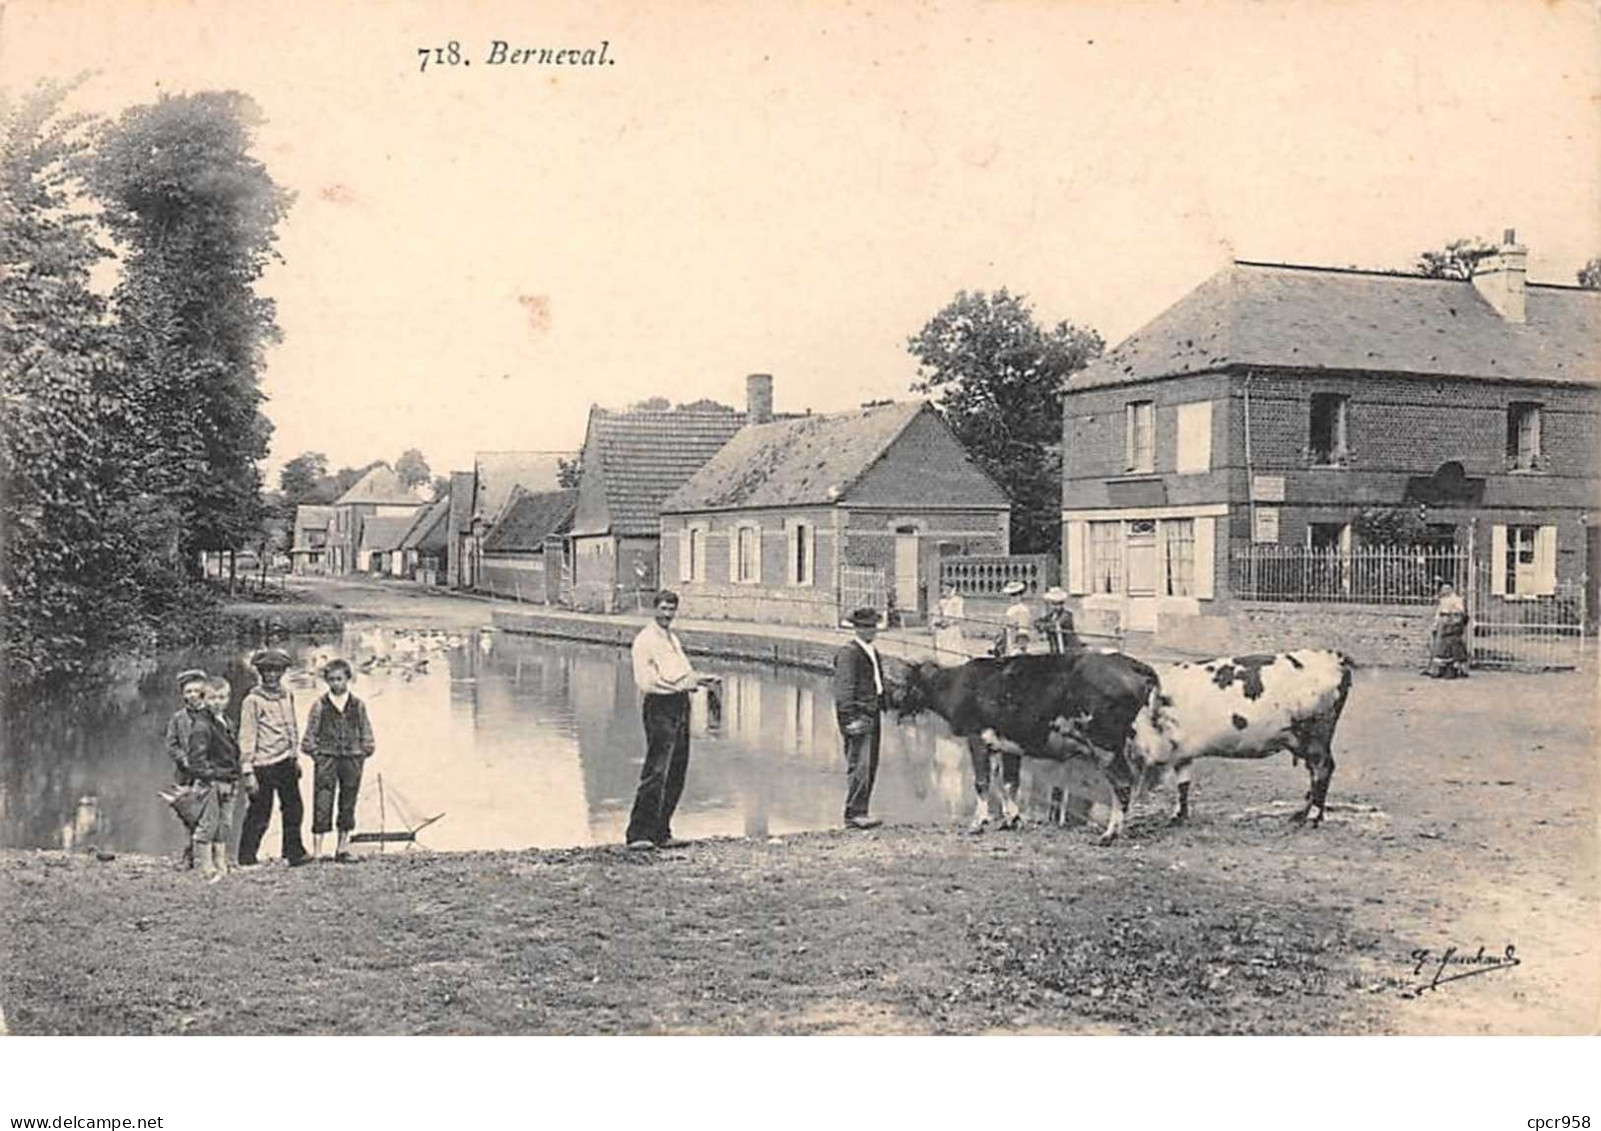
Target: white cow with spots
1246,707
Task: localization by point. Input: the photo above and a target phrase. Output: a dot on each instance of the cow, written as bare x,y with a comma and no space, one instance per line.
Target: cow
1083,705
1247,707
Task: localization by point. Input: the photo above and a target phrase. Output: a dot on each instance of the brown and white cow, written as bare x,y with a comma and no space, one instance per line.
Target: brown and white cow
1053,707
1247,707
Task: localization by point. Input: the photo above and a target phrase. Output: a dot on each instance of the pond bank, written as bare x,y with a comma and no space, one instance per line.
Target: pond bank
907,929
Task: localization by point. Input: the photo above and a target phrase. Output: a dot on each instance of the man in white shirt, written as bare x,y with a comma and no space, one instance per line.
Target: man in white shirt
665,679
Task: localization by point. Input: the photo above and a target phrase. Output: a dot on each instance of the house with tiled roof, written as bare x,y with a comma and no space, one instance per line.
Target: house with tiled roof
309,550
425,545
380,546
764,530
378,493
523,555
1268,415
632,460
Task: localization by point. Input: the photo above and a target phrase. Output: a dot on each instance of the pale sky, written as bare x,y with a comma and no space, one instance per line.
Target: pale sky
479,253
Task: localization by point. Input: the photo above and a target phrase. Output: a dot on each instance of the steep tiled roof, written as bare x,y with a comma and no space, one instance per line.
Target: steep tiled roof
461,501
1257,314
802,460
427,531
500,472
529,518
310,516
645,455
380,486
385,531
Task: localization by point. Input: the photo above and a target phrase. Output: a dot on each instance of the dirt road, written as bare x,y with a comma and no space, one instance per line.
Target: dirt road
1463,815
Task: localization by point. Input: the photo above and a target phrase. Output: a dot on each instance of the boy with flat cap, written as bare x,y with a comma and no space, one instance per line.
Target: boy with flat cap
858,702
192,686
268,755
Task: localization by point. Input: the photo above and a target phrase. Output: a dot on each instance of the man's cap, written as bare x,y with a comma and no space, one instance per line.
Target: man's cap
864,618
192,675
271,658
1056,595
1014,589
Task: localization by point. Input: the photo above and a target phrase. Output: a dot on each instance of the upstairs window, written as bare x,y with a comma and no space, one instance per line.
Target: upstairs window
1139,436
1523,435
1328,432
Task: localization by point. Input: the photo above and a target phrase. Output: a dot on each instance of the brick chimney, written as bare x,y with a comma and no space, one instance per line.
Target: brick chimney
759,398
1499,278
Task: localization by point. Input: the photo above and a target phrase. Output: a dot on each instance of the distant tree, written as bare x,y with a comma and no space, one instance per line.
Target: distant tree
441,487
197,216
300,477
706,404
1456,260
569,472
1590,274
412,467
997,378
653,404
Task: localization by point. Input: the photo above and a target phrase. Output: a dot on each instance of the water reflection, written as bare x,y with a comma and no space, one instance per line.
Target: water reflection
520,742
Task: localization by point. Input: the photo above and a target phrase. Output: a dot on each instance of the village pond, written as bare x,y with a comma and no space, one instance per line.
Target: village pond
519,742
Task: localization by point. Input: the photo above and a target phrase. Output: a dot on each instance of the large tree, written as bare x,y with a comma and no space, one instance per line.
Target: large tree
73,523
1456,260
998,377
412,468
300,478
197,217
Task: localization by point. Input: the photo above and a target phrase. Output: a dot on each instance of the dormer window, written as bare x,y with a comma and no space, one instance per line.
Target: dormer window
1328,429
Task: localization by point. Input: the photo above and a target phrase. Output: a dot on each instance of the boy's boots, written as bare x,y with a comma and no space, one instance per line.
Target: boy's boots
206,862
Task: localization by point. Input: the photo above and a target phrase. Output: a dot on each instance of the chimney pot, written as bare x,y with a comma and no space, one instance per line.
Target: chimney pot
1509,236
759,398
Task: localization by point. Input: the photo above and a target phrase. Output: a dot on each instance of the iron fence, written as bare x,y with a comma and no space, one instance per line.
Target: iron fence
1369,575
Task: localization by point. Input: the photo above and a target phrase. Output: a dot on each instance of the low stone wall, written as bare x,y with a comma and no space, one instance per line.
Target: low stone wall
1370,634
797,653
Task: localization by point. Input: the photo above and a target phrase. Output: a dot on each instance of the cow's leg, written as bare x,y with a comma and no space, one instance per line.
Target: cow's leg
1319,754
1011,784
979,752
1120,797
1181,811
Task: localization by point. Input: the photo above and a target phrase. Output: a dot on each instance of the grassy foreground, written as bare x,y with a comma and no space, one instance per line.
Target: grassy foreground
903,930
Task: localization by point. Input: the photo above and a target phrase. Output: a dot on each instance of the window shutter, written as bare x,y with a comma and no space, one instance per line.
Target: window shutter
1534,431
1545,561
1498,560
756,554
1078,572
811,554
733,554
683,554
1205,557
793,533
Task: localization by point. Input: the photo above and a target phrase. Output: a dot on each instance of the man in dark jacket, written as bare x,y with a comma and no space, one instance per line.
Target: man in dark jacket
858,702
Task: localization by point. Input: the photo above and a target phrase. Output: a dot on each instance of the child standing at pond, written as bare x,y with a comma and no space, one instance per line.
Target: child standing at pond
339,740
211,758
192,686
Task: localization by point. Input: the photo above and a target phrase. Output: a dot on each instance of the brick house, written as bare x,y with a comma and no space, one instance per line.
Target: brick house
425,547
480,499
633,460
1274,403
521,555
762,530
376,494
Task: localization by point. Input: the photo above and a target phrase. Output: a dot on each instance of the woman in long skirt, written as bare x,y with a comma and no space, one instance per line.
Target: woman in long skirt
950,642
1448,649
